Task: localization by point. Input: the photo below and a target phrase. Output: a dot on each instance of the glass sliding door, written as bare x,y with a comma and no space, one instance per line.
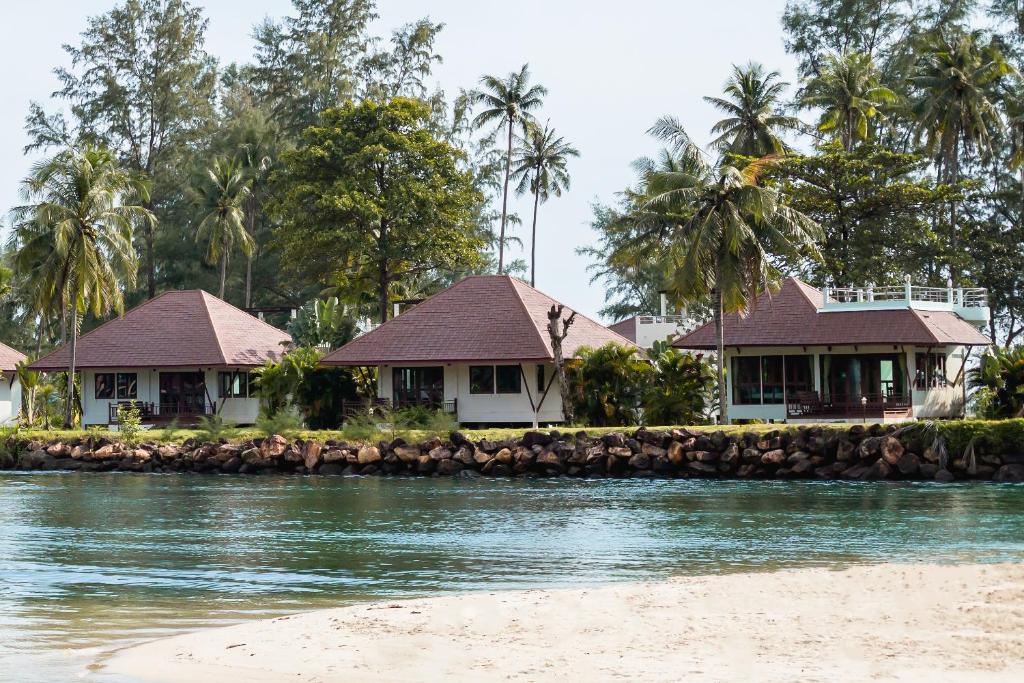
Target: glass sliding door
418,386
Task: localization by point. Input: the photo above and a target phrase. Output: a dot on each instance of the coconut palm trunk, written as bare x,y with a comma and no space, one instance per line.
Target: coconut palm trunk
533,235
223,271
504,201
69,404
723,402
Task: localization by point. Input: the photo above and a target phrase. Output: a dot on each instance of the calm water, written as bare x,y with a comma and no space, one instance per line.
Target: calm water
93,562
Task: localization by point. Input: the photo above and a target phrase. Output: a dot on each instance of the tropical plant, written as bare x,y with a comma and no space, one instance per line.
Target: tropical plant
955,111
540,167
29,381
286,422
680,389
220,194
752,101
730,233
849,93
129,423
278,381
324,322
81,202
1000,375
507,103
608,385
211,428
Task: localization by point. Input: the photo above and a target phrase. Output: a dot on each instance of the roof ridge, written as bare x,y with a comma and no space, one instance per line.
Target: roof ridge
545,344
240,310
922,323
213,327
582,315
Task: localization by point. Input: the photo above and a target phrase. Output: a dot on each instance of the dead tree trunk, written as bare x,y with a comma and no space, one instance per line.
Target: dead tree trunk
558,329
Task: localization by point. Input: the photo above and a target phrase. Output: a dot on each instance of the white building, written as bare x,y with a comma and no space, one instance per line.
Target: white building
479,350
879,354
645,330
179,356
10,388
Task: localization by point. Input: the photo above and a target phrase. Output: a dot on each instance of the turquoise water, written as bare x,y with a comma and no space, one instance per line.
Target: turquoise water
89,563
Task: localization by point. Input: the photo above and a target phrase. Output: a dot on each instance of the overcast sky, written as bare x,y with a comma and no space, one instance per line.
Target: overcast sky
611,69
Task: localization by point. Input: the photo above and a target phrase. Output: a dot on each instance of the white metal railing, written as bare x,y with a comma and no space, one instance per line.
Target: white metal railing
963,297
660,319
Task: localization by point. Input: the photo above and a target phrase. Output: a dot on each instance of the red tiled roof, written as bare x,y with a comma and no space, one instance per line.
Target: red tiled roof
189,328
480,318
791,318
627,328
9,358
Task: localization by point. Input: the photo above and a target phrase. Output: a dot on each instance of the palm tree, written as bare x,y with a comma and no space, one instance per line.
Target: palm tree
955,113
730,230
84,209
755,119
849,93
255,138
220,195
506,103
540,168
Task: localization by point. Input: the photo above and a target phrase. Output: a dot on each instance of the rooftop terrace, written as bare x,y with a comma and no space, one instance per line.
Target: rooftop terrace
970,303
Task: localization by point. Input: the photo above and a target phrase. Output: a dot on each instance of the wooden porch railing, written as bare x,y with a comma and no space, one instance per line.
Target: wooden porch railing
380,405
811,404
163,412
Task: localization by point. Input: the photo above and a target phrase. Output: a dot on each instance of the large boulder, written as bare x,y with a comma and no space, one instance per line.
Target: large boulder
273,446
311,457
368,455
1010,473
891,449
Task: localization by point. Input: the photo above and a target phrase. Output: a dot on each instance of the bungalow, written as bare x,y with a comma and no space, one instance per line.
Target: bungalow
179,356
479,350
10,388
852,354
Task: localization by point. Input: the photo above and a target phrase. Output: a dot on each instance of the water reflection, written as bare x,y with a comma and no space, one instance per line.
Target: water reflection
93,561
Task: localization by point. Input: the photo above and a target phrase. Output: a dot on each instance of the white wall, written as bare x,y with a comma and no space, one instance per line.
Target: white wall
10,398
97,411
488,408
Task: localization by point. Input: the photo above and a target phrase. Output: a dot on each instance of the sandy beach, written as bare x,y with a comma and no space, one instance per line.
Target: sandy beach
867,623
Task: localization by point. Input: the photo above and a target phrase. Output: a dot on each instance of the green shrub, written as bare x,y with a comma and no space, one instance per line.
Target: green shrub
999,378
366,426
211,429
129,423
285,422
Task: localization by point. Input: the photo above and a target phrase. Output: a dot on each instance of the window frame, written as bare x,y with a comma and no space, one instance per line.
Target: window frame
112,386
541,379
479,390
516,372
243,384
134,383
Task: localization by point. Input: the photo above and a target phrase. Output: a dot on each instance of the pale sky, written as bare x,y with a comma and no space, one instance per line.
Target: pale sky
611,69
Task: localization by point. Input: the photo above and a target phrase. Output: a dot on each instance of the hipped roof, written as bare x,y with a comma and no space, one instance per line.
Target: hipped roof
190,328
792,317
481,318
9,358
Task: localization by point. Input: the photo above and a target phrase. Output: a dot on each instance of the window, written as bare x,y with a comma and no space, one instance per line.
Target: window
127,385
930,371
799,375
508,379
772,390
234,384
418,386
481,379
746,380
104,385
540,379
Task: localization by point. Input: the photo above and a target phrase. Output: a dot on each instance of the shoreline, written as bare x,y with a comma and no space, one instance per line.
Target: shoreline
867,622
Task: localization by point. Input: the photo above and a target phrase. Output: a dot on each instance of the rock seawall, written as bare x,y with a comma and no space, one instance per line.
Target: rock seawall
859,452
